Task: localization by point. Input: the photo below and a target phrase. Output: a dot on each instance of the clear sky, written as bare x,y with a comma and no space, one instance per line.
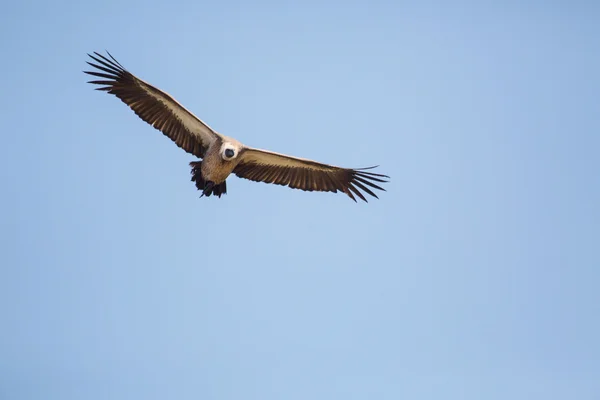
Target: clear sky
475,276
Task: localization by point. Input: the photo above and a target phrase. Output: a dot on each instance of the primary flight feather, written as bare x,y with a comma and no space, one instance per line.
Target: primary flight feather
221,155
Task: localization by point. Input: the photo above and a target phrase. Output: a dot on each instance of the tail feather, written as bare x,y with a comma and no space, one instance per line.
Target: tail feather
217,190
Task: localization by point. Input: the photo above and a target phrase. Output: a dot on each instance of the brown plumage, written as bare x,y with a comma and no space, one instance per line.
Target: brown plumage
297,173
222,155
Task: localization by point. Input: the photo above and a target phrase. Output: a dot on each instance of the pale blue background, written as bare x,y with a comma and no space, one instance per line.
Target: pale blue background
474,277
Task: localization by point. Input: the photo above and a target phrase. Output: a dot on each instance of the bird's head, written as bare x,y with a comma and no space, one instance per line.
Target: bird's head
229,151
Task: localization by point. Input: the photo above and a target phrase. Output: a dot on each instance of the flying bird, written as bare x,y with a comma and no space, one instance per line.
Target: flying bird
221,155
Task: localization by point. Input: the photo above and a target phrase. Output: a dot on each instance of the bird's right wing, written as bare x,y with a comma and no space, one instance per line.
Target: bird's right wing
153,106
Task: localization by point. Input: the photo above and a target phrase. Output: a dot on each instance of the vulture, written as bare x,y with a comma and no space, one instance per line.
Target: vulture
220,155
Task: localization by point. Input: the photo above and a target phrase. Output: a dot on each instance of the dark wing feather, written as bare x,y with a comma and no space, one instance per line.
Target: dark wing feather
298,173
153,105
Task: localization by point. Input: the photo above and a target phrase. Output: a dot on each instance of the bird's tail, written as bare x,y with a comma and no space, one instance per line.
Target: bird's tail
207,188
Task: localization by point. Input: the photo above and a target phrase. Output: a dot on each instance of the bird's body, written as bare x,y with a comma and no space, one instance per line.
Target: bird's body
221,155
214,167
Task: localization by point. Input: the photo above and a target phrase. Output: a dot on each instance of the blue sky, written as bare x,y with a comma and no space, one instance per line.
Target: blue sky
475,276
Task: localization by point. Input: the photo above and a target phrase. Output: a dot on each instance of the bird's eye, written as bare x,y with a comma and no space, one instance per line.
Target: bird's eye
229,153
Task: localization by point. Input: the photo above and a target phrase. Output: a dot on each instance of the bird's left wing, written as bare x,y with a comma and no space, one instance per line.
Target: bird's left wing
153,106
298,173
